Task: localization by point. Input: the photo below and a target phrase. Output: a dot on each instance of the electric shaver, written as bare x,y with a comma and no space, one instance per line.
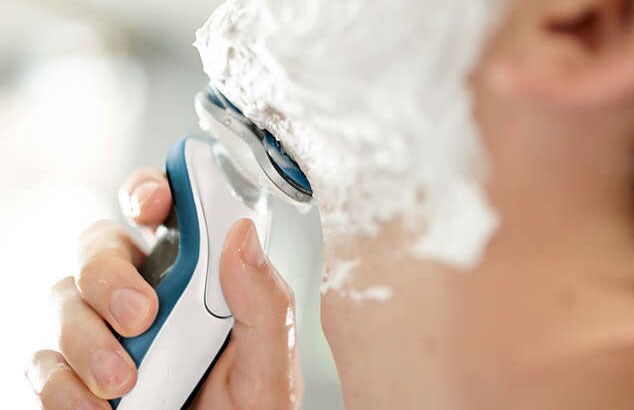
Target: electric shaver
235,172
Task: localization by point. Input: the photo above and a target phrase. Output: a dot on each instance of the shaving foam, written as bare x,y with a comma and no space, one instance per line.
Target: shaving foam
370,98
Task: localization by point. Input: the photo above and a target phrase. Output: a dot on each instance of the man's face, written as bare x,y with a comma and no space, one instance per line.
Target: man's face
546,320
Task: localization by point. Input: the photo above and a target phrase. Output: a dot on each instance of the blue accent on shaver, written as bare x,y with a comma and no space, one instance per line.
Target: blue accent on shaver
172,286
212,94
233,106
285,165
213,97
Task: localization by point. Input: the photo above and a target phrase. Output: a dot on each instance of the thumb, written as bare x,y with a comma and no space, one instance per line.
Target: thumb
265,366
256,294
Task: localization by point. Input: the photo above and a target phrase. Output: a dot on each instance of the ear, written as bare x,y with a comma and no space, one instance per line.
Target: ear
567,53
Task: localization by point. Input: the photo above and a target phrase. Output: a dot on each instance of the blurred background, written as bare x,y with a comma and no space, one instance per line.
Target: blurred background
90,90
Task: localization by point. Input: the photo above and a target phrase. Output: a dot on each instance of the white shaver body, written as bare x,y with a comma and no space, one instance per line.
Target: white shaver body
192,327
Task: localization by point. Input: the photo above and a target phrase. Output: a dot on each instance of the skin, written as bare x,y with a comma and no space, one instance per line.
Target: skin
544,322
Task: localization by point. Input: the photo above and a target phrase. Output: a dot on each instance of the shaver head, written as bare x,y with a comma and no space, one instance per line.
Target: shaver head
278,166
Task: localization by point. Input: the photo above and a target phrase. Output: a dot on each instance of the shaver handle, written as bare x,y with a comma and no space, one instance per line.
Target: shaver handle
193,321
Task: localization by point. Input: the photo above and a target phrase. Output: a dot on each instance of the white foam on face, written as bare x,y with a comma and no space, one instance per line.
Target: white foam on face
339,278
375,293
339,275
370,97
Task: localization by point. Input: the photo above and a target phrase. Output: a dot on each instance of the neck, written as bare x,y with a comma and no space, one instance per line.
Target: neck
557,194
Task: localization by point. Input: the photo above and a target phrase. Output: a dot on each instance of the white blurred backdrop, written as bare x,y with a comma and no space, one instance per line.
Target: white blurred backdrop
90,90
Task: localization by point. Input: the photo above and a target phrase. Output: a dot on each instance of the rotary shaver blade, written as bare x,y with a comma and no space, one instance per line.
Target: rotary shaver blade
276,163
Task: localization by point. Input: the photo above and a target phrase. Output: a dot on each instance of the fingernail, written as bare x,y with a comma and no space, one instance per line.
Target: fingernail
129,307
140,195
251,251
88,405
110,370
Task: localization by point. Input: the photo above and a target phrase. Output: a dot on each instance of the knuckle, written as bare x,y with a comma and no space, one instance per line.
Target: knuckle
78,337
92,237
67,337
61,292
105,239
284,295
61,300
72,332
102,273
91,270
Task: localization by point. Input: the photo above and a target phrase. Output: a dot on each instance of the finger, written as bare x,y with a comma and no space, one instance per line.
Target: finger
90,347
111,284
57,386
263,307
145,197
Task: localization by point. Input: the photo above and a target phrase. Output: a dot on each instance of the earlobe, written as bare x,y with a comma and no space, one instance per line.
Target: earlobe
578,53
